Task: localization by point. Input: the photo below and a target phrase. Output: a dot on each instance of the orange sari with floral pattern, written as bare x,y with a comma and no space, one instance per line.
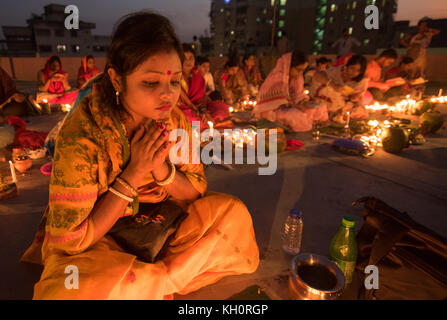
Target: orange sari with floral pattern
215,240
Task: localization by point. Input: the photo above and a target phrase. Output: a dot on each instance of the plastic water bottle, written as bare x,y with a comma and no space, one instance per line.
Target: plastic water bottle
293,231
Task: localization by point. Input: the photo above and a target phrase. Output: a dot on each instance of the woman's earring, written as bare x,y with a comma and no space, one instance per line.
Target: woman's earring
117,93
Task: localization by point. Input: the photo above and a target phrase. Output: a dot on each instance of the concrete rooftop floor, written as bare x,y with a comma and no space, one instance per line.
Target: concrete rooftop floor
316,179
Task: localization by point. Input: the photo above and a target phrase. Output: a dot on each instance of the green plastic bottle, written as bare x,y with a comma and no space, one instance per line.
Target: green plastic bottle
343,250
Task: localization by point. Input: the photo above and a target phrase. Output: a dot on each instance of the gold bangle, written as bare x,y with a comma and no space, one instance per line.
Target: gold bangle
127,186
119,194
169,179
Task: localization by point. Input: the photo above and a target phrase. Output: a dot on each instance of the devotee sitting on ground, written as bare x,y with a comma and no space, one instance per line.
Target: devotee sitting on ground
252,75
231,83
203,65
53,83
194,103
321,64
87,70
282,99
12,101
113,150
413,86
377,86
343,89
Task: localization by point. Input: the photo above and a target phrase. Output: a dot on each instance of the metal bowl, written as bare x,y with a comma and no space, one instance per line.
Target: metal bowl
315,277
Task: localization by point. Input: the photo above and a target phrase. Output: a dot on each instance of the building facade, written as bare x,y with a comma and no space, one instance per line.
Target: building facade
312,26
241,20
46,35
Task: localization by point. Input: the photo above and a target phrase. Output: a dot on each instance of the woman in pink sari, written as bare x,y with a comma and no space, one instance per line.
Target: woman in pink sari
282,98
53,83
194,102
87,70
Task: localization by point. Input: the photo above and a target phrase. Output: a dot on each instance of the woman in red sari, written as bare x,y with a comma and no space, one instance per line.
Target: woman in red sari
194,102
87,70
53,83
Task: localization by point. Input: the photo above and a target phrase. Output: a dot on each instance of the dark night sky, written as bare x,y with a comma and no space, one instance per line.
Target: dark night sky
190,17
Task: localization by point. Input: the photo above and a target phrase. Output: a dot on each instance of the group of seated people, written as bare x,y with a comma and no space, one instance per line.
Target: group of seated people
53,88
348,86
293,94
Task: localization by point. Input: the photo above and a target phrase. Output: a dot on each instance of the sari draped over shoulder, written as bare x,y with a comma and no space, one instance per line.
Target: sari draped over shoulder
193,98
56,93
84,74
215,240
278,93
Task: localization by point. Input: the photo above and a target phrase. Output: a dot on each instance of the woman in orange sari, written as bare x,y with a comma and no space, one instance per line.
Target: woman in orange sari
105,154
87,70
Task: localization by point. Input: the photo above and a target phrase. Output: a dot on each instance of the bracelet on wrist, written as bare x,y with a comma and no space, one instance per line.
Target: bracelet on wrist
127,186
170,178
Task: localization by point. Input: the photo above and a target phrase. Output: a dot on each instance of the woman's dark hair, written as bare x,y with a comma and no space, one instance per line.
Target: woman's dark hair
136,37
389,54
360,60
247,56
298,58
202,60
232,63
323,60
188,48
89,57
53,59
426,20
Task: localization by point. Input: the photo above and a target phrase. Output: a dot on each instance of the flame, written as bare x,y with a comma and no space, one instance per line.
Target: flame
231,109
45,101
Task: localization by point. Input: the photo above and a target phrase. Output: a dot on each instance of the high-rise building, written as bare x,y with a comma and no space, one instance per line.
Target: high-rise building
241,20
312,26
46,34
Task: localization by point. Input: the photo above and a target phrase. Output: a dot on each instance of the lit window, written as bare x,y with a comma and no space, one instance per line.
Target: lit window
331,19
282,12
264,11
61,48
282,2
354,5
348,6
270,22
402,35
333,7
279,34
281,23
352,18
350,30
366,42
76,48
221,10
227,1
383,3
232,32
272,2
258,20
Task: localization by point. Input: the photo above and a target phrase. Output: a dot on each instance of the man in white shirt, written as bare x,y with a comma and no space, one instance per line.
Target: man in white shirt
345,44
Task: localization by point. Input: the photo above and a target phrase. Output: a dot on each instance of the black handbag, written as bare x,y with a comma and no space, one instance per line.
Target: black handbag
411,259
148,233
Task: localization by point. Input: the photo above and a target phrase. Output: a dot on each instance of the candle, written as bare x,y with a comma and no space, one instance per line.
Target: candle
231,109
440,92
210,124
347,120
45,101
13,172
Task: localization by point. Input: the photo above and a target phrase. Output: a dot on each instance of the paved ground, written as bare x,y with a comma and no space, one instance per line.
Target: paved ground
316,179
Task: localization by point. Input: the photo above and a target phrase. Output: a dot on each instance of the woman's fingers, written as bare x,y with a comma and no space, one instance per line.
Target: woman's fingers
138,135
164,137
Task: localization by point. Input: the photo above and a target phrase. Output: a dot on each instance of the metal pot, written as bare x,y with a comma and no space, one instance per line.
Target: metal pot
314,277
